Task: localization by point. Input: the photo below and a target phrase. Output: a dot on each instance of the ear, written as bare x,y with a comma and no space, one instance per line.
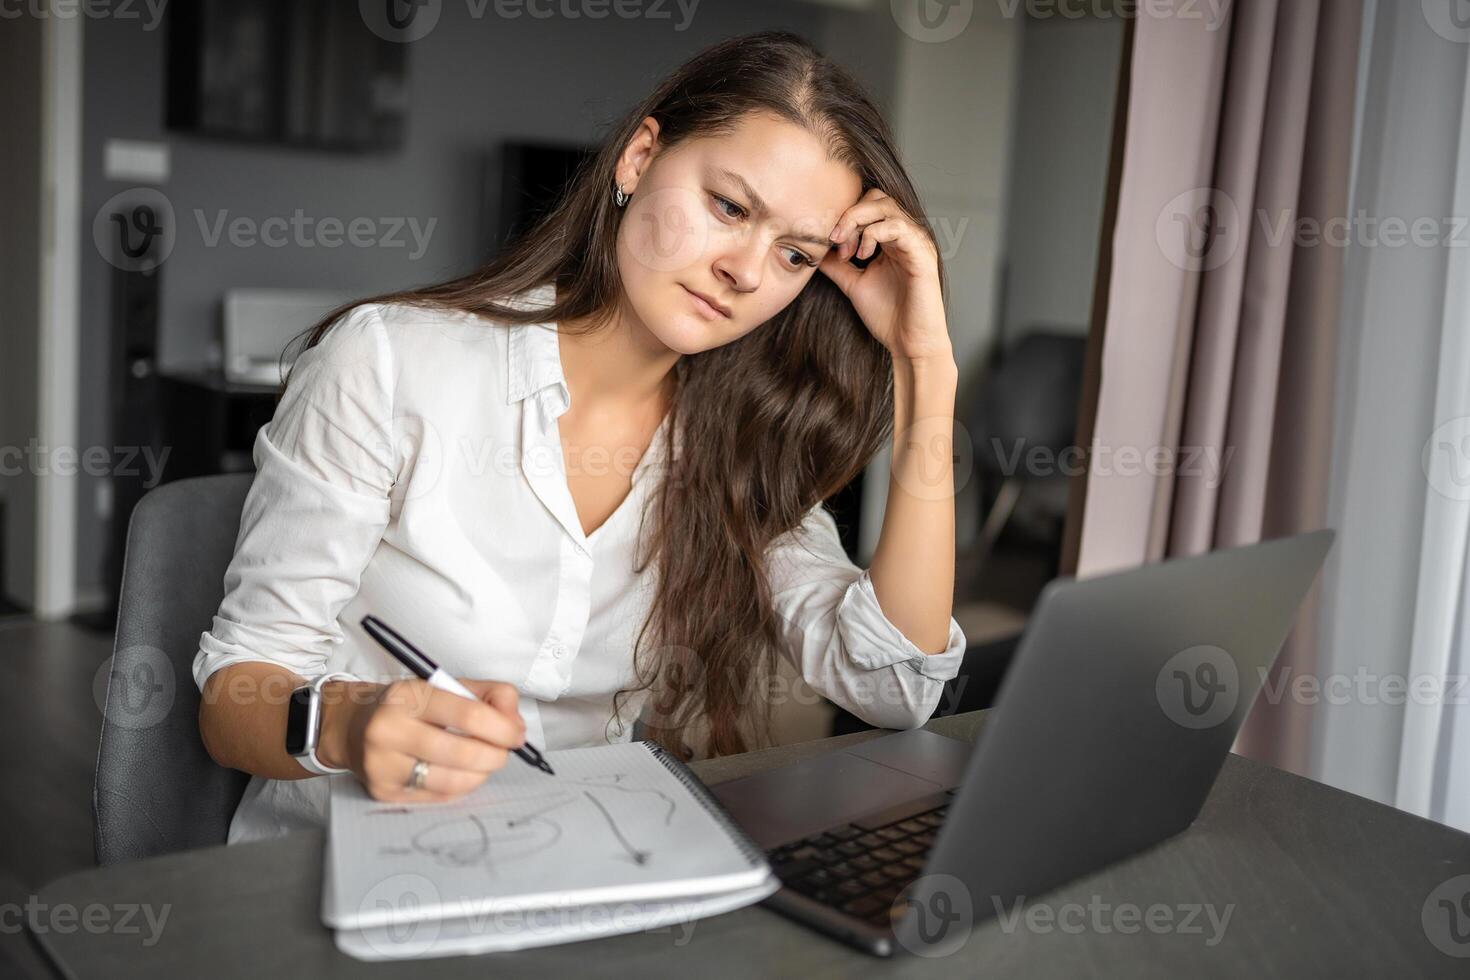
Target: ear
641,150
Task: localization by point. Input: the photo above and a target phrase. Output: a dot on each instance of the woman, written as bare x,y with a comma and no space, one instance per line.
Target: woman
593,470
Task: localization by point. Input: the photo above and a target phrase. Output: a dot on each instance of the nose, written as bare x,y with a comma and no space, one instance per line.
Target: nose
739,264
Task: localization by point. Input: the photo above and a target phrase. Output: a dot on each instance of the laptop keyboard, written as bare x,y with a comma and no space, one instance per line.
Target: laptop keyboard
860,867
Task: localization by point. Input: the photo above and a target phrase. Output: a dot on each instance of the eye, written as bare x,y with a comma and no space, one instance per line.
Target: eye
802,259
720,201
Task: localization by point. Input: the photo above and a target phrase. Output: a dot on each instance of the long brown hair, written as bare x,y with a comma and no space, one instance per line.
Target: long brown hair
772,423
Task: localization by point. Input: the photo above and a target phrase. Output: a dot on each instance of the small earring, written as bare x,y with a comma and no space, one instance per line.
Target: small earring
619,198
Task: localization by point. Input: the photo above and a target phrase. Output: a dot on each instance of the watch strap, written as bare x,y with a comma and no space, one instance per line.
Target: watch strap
309,759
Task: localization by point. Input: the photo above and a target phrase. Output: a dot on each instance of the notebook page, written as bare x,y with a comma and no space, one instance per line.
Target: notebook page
613,825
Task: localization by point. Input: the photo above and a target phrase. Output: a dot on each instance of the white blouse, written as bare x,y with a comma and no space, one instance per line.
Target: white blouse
414,470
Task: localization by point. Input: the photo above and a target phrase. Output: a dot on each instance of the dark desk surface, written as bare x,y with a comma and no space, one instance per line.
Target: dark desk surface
1315,882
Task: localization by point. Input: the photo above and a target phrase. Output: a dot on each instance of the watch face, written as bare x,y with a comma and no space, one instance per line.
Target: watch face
298,712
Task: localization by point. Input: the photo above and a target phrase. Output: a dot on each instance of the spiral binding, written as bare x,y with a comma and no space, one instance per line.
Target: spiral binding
701,792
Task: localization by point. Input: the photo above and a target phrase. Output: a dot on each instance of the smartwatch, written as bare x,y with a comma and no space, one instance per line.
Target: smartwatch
304,724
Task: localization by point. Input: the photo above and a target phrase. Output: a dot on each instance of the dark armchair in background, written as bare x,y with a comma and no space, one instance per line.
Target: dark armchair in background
1021,421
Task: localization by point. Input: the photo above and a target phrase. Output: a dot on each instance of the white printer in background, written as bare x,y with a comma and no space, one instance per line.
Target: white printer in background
259,323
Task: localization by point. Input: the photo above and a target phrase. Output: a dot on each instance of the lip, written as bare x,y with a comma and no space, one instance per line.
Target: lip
707,306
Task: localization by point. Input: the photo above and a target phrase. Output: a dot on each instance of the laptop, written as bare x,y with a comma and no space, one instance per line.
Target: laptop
1122,701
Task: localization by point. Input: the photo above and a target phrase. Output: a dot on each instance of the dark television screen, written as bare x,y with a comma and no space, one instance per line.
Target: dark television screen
300,72
523,181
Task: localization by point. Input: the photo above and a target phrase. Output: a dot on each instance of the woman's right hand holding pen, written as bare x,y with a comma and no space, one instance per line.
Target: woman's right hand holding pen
380,730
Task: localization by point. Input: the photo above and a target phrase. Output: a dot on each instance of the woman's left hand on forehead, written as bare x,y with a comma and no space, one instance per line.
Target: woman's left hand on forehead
898,295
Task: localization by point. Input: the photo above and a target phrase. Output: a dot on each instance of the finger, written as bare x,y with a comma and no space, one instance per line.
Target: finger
385,793
896,231
865,212
449,710
839,270
499,695
440,781
385,776
439,747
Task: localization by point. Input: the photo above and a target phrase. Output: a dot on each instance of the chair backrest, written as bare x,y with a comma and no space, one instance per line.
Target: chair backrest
1028,400
156,789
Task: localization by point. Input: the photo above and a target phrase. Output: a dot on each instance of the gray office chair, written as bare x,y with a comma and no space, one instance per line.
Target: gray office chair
156,789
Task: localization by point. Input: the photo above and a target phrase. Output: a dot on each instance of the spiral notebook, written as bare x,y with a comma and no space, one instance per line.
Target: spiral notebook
623,837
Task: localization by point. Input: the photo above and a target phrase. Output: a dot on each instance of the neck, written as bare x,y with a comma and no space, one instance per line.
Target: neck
620,367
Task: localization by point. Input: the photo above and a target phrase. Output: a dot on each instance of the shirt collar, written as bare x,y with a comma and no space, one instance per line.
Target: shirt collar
534,363
534,356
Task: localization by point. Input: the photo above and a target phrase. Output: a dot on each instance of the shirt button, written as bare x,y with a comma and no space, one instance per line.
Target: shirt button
558,651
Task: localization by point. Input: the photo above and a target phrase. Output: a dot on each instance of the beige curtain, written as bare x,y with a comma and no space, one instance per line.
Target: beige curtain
1212,427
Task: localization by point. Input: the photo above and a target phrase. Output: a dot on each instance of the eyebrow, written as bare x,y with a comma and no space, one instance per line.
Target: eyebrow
759,206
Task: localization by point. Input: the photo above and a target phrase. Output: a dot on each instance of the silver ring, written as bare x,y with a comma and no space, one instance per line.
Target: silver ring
418,775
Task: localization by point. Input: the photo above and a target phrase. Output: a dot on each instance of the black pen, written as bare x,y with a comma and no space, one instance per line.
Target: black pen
415,660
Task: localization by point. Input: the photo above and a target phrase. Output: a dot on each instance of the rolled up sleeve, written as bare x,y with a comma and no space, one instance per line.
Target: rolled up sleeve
317,508
836,634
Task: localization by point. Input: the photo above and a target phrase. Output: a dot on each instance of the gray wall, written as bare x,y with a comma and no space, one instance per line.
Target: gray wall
1069,76
472,83
20,284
